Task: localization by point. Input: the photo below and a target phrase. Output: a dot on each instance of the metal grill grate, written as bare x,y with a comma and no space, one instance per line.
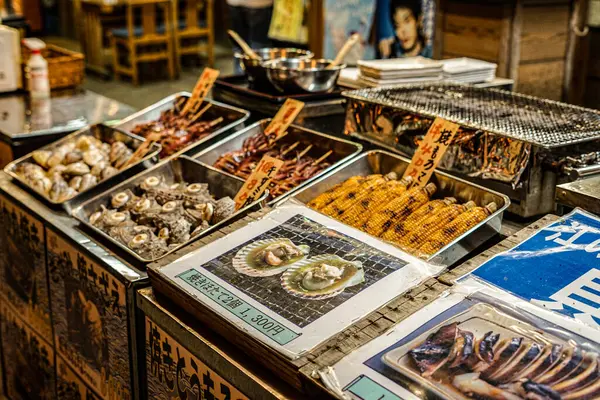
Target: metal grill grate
530,119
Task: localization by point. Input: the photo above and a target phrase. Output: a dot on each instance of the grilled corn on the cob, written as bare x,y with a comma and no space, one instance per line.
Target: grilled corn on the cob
339,207
399,229
332,194
431,225
397,210
358,213
458,226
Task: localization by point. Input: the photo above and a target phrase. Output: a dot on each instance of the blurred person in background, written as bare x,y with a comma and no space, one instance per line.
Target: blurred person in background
251,20
400,26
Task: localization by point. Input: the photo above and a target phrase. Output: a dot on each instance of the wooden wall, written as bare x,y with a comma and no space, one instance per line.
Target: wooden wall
592,87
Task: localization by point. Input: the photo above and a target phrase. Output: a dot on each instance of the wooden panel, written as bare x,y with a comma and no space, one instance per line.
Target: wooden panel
592,93
542,79
594,60
544,32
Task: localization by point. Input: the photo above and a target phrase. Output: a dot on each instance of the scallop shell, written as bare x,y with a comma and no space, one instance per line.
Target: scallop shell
75,182
57,169
108,172
99,167
243,264
116,151
123,158
86,143
93,157
42,185
88,181
41,157
78,168
73,156
290,283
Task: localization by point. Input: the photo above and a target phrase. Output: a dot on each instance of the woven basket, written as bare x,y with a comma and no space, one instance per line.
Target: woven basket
66,68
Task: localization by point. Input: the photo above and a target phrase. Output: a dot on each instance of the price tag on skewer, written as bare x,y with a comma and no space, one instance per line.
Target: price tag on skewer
258,181
203,86
430,151
283,119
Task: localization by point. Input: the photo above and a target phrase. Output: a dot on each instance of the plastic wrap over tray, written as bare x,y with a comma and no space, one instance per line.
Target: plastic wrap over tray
105,134
382,162
181,169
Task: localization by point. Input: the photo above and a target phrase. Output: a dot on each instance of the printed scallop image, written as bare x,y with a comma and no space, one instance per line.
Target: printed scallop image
322,277
268,257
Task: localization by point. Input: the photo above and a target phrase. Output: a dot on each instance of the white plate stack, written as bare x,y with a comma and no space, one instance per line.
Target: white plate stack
468,70
399,71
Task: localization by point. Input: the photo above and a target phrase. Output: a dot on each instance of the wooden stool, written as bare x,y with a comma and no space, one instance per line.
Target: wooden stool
155,37
192,28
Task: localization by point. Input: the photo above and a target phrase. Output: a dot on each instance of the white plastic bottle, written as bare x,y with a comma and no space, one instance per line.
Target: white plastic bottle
37,70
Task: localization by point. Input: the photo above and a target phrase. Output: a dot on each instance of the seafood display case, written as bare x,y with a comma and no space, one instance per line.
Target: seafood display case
519,145
70,170
307,155
164,208
187,134
446,186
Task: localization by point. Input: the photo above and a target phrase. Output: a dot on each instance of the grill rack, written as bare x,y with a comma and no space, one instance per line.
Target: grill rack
530,119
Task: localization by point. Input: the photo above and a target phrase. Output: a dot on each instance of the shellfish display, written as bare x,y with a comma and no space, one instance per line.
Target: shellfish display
268,257
497,367
322,277
157,216
73,167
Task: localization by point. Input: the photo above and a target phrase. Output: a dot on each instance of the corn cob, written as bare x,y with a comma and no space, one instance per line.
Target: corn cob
352,196
357,214
431,225
398,209
460,225
399,229
330,195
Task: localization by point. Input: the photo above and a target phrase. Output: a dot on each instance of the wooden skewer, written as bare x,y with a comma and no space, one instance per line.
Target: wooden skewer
306,150
198,114
269,143
215,122
292,147
324,156
243,45
180,104
141,151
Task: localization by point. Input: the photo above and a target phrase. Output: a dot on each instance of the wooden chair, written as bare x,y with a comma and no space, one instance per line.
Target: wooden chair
195,30
147,37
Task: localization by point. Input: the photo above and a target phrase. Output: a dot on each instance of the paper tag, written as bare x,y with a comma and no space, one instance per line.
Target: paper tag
284,118
430,151
203,86
258,181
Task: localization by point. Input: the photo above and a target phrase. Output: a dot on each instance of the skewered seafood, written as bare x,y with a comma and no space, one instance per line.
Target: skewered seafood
268,257
71,168
322,277
385,207
179,130
157,216
507,368
299,163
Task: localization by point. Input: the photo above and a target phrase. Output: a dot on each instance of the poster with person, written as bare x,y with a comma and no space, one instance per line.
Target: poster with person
404,28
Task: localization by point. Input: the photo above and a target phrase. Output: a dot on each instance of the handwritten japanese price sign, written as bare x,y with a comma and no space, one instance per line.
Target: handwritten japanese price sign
283,119
203,86
258,181
430,151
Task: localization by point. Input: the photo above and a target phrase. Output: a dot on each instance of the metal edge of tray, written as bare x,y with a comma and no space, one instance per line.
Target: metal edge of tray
167,103
452,252
353,96
236,140
81,212
149,159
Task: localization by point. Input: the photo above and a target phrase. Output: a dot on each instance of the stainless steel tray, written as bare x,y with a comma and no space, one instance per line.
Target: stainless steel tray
343,150
234,118
105,134
541,122
175,170
382,162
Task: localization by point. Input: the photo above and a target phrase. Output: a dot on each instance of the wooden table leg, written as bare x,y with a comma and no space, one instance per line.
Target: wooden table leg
91,40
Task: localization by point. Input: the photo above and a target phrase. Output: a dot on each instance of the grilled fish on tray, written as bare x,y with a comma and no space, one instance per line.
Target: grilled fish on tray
495,367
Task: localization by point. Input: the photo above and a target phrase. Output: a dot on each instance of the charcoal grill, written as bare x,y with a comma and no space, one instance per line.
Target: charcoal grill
519,145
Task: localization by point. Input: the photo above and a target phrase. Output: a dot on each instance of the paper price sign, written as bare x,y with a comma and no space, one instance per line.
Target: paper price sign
284,118
430,151
258,181
203,86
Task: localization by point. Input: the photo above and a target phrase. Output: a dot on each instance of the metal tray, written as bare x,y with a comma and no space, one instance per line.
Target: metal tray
236,90
382,162
175,170
234,118
105,134
541,122
343,150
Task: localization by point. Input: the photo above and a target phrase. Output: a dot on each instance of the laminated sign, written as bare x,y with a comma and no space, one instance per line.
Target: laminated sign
558,268
430,151
328,277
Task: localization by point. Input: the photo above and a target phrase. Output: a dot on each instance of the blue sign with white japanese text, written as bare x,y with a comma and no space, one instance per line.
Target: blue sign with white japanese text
558,268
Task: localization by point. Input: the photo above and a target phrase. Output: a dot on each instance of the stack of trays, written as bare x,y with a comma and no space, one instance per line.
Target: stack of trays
468,70
399,71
